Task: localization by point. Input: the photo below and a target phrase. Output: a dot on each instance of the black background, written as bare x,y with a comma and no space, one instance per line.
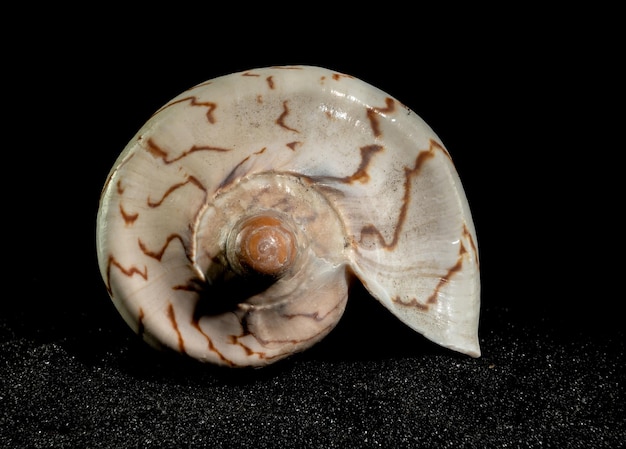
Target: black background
526,103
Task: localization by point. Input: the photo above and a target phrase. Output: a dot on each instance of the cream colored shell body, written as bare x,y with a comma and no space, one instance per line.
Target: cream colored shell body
362,186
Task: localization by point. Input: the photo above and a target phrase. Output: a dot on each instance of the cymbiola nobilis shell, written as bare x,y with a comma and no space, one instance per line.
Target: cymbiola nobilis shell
231,225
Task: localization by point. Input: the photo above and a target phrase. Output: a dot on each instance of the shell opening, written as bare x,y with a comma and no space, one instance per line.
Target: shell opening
263,244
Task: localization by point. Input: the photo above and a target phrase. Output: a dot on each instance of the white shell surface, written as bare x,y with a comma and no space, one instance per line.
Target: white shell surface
364,181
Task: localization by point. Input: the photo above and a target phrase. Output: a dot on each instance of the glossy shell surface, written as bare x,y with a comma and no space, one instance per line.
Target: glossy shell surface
354,183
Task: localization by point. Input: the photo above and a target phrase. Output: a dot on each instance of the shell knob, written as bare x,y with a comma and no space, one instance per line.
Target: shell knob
234,221
262,245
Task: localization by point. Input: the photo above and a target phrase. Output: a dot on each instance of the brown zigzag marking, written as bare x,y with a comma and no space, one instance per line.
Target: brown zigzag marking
412,303
442,281
468,234
125,271
338,76
230,178
451,271
270,82
235,340
280,121
193,285
212,346
316,315
129,219
171,314
159,153
250,74
190,180
189,252
292,145
361,175
159,254
409,173
194,102
372,115
140,325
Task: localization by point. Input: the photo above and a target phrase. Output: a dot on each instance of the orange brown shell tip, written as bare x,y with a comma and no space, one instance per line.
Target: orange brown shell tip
231,225
261,245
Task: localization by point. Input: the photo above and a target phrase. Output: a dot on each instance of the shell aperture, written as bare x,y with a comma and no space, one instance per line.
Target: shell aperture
231,225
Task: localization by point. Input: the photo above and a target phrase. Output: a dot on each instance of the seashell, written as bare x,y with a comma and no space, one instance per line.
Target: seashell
233,223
